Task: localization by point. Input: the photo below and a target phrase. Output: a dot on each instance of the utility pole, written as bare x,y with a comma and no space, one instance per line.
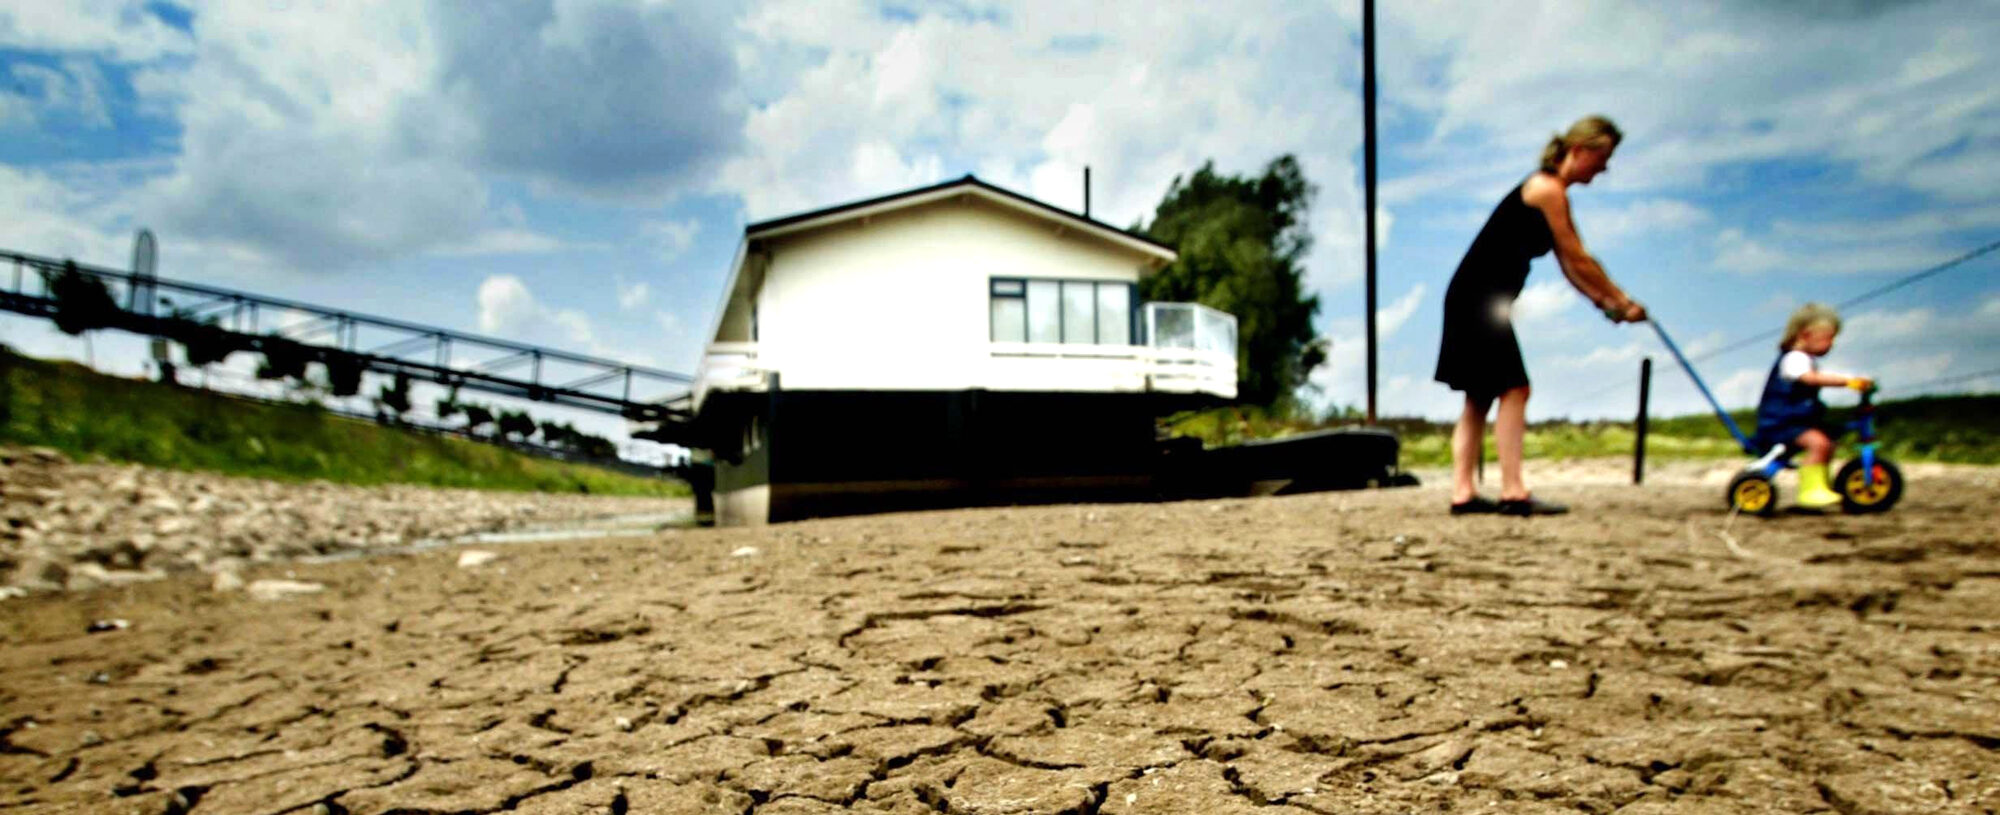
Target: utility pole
1368,172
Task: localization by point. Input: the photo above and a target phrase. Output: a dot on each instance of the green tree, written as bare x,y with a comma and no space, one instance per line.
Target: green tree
1241,241
516,425
555,434
396,396
343,373
476,416
83,302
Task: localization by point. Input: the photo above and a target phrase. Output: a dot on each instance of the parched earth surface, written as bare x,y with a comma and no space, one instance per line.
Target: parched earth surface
1332,653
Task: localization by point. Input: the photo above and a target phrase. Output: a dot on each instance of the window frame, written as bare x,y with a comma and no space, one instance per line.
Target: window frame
1133,307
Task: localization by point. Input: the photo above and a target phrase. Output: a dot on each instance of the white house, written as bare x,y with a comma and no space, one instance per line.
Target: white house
951,345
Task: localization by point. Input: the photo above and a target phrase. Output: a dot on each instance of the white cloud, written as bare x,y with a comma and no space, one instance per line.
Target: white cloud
40,218
1607,356
1342,379
73,90
506,306
631,295
1737,252
1858,254
1389,320
1143,99
1653,216
670,239
608,100
1542,302
503,241
122,29
288,155
1884,326
1917,225
1881,87
509,310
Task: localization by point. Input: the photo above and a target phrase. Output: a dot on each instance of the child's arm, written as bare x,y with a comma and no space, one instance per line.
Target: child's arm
1828,379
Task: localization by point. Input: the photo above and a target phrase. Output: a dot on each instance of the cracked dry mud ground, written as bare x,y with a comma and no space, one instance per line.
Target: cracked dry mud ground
1335,653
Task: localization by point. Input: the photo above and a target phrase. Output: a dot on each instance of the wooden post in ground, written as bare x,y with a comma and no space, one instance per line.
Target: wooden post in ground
1639,424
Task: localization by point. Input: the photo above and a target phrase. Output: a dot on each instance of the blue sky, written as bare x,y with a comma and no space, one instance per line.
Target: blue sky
577,173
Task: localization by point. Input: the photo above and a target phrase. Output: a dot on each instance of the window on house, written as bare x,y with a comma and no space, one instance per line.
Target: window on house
1044,311
1114,314
1061,311
1010,311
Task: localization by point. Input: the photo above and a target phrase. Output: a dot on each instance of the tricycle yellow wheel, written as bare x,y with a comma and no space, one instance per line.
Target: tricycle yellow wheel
1752,493
1869,489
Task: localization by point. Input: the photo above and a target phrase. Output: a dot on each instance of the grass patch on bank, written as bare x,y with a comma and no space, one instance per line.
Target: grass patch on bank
89,415
1953,429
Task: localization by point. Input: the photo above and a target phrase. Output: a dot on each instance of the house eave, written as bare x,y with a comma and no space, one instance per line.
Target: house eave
1160,253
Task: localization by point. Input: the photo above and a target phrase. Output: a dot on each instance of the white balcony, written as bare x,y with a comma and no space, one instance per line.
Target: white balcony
1187,349
728,366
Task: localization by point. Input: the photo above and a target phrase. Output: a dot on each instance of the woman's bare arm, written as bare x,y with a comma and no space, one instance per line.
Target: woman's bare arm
1583,271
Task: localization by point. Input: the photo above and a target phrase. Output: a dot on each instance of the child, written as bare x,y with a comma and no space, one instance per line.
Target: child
1791,413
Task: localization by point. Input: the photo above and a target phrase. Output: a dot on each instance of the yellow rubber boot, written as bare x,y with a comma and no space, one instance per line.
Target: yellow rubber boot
1813,492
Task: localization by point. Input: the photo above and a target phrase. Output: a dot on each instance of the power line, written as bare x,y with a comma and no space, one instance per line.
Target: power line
1843,305
1951,379
1860,298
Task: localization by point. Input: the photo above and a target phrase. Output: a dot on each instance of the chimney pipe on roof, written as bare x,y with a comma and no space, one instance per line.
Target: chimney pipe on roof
1086,190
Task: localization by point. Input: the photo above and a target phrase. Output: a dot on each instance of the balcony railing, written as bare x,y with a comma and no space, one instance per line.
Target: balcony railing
728,366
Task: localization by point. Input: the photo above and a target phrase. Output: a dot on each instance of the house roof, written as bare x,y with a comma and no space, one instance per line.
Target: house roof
968,184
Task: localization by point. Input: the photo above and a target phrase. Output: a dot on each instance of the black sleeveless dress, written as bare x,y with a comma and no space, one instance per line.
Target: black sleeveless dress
1478,353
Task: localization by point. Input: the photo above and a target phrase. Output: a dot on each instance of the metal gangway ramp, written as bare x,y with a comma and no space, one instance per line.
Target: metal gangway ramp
337,336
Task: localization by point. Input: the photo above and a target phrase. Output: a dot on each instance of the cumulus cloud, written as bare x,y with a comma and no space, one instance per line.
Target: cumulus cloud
73,89
1541,302
508,309
1769,60
503,241
670,239
590,98
288,154
1390,320
1853,255
1029,100
631,295
41,209
1653,216
126,30
1342,379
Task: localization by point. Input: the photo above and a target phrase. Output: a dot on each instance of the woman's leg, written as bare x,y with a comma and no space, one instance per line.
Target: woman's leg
1508,429
1468,441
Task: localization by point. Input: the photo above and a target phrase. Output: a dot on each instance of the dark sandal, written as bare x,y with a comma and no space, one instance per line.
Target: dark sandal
1531,506
1475,505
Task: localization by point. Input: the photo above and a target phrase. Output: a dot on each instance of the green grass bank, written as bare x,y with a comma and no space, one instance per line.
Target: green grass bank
1953,429
90,415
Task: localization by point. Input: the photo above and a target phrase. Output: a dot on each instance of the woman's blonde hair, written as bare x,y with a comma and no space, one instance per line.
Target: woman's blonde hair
1589,131
1807,316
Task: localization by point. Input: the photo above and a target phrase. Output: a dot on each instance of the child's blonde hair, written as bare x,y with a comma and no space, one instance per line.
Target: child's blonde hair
1807,316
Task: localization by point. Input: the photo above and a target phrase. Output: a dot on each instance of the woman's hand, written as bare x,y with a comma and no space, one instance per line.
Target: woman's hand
1625,311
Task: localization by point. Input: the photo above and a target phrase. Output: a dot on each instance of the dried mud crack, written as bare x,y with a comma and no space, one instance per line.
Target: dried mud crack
1332,653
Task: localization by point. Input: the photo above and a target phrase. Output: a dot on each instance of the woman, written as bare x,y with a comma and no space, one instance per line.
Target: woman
1479,354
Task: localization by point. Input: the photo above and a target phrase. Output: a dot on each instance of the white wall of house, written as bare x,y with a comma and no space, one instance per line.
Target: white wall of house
901,301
